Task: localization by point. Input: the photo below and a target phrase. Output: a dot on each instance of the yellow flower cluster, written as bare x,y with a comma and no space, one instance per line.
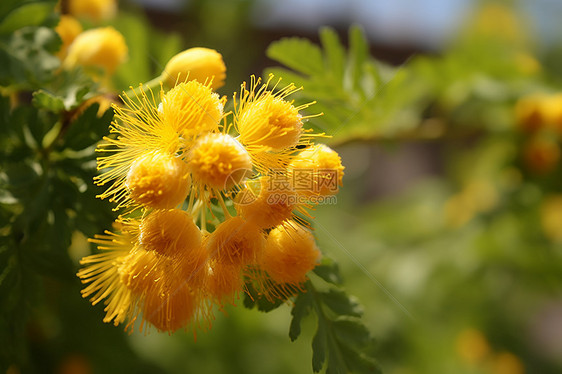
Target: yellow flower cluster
209,202
540,117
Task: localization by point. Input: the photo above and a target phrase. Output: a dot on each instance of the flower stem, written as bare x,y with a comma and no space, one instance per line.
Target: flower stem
151,84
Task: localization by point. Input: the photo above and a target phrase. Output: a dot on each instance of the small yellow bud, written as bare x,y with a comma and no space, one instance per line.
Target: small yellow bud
158,180
218,161
102,47
201,64
95,10
68,29
289,254
317,171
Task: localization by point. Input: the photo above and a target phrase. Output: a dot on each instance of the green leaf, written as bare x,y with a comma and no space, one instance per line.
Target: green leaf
328,270
319,347
340,339
341,303
28,60
88,129
46,100
351,332
28,14
298,54
357,55
301,309
334,52
253,298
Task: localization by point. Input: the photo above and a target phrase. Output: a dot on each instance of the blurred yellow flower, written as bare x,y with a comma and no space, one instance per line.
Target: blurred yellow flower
102,48
551,217
95,10
541,154
506,363
472,346
201,64
68,29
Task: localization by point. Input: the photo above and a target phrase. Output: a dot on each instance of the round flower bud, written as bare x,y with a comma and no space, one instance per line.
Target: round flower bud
192,108
95,10
68,29
158,180
235,241
171,303
223,281
102,47
317,171
289,254
271,205
171,233
201,64
218,161
270,122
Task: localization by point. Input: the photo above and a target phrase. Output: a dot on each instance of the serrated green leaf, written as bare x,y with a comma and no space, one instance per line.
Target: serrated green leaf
351,332
301,309
46,100
356,362
341,303
88,129
334,53
328,270
28,58
253,298
28,14
298,54
319,347
357,55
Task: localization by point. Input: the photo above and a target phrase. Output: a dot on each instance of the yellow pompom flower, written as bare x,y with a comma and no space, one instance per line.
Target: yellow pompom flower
95,10
201,64
270,127
218,161
101,273
289,254
171,303
317,170
171,233
101,48
68,29
236,241
271,205
223,282
192,108
142,137
158,180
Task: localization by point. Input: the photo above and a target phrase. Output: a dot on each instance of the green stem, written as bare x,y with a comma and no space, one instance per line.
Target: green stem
151,84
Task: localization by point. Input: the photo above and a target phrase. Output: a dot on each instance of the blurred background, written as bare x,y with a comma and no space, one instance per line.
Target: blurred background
448,229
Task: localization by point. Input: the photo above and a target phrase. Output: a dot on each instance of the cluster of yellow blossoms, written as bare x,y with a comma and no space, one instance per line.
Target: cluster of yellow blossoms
210,201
